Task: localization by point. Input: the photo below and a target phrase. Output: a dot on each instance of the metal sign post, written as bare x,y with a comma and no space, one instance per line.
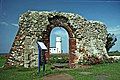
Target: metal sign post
41,59
43,63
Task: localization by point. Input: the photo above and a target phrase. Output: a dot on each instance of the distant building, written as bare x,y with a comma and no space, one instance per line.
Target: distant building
57,48
53,50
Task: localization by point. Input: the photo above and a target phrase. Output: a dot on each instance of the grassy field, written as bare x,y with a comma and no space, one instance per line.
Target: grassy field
115,53
2,61
108,71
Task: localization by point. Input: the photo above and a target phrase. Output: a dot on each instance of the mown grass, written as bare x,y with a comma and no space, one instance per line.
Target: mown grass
114,53
2,61
107,71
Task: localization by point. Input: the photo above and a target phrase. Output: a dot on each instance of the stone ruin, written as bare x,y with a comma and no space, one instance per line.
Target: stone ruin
86,37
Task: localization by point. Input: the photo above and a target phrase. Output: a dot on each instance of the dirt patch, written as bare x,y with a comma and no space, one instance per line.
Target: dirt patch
86,73
58,77
85,66
102,77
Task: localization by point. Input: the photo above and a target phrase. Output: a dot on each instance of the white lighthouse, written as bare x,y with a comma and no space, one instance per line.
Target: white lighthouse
58,44
57,49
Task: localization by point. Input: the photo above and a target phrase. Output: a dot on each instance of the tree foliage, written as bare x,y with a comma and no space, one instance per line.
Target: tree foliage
111,39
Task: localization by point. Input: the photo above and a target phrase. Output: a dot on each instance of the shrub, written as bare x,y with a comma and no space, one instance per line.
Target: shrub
59,58
90,60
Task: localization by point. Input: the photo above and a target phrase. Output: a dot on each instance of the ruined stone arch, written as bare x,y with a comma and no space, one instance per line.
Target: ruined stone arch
60,21
85,37
57,23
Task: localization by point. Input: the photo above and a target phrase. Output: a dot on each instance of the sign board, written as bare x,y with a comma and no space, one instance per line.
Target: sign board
42,45
41,49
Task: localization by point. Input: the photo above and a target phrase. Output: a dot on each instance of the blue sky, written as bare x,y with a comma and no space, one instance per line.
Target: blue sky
10,10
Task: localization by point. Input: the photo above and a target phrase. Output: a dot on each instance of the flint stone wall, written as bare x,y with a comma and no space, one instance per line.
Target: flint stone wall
86,36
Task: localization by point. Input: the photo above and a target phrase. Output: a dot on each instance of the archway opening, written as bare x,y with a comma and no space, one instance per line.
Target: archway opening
61,22
59,45
59,41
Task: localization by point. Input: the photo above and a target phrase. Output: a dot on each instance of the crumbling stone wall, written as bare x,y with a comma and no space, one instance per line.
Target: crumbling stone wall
85,37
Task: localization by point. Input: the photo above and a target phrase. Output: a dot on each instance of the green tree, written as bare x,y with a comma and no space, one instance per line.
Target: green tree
111,39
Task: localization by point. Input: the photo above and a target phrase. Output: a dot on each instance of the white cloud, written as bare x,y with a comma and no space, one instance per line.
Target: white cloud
4,23
114,30
7,24
60,32
14,24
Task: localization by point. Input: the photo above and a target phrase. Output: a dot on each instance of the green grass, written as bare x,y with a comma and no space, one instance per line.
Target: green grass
59,58
114,53
2,61
108,71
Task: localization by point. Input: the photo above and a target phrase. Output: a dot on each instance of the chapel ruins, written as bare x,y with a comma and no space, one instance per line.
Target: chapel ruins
86,37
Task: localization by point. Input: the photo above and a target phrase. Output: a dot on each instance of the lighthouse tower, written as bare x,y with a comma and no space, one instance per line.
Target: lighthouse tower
58,44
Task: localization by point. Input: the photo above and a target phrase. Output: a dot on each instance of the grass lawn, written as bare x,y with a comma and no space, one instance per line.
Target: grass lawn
2,61
108,71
